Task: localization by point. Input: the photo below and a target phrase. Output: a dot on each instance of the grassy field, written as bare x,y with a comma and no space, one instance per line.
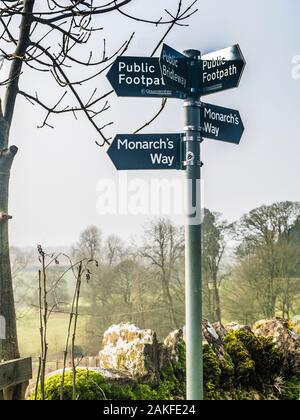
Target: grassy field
29,338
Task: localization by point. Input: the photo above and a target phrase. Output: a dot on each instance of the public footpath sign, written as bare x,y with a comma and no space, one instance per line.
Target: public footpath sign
220,123
221,70
146,151
185,76
175,69
140,77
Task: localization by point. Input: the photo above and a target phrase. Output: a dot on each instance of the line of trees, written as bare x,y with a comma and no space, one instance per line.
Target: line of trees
251,270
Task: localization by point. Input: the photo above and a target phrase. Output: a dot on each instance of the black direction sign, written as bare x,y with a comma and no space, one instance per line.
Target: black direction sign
146,151
221,70
140,77
220,123
175,69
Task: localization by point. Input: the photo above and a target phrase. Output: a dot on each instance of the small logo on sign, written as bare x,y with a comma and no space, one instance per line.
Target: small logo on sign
190,156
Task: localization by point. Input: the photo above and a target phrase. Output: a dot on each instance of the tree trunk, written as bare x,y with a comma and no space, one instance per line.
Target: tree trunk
9,346
217,300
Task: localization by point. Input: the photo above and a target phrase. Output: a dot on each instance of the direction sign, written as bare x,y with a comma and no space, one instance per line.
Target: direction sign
221,70
175,69
220,123
140,77
146,151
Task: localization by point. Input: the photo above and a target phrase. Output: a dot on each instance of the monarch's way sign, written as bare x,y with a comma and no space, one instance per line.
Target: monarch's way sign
220,123
146,151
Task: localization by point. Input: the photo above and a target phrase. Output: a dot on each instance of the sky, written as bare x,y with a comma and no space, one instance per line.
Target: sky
56,173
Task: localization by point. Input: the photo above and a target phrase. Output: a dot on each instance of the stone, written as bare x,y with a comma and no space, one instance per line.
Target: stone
169,349
177,337
285,338
220,329
233,326
212,337
131,350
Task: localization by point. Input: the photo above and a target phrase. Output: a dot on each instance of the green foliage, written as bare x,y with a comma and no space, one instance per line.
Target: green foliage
291,390
251,363
244,366
90,385
256,360
172,378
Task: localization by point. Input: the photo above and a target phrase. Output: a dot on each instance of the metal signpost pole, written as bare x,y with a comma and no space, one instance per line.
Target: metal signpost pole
181,76
193,287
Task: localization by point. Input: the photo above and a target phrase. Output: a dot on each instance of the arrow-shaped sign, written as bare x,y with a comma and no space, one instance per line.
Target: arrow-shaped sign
221,70
146,151
175,69
220,123
140,77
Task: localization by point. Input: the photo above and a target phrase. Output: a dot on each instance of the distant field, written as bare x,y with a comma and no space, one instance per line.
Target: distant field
29,338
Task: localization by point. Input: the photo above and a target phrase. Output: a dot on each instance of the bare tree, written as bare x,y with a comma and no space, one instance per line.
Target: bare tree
113,249
89,244
214,241
51,37
265,234
164,247
46,308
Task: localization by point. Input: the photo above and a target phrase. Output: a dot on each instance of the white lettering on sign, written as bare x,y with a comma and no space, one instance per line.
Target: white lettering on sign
138,74
218,74
160,145
218,116
171,74
146,145
170,59
215,62
211,129
159,158
136,68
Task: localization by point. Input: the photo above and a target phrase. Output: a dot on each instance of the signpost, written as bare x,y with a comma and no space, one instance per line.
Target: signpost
146,151
221,70
175,69
187,77
220,123
140,77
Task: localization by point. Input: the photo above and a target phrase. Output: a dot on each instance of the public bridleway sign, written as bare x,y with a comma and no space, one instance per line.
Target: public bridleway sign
175,69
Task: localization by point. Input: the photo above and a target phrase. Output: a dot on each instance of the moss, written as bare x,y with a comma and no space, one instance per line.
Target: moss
91,385
256,360
244,366
212,366
292,326
227,372
172,377
291,390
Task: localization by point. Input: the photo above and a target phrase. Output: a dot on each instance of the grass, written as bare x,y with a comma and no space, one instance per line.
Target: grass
29,337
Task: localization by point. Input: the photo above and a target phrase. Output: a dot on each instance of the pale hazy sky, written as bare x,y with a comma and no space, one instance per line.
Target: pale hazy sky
54,178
